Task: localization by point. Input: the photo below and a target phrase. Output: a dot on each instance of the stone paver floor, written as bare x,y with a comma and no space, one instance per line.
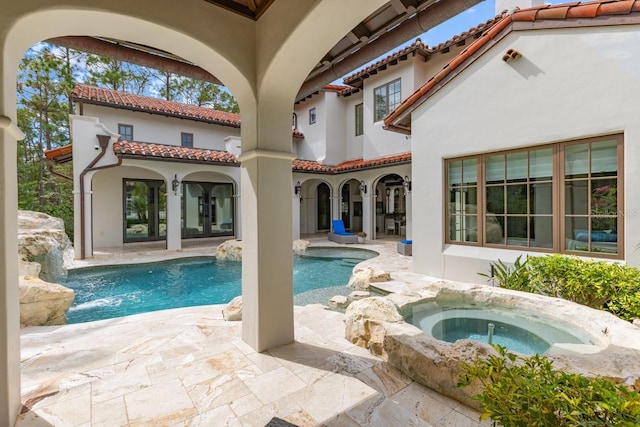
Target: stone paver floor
188,367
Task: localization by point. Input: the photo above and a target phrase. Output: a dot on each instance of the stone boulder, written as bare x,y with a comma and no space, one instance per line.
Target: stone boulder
361,278
230,250
338,301
358,295
300,246
364,320
43,303
233,311
433,363
42,239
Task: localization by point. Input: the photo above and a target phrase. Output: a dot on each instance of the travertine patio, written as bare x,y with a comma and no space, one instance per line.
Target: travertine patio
189,367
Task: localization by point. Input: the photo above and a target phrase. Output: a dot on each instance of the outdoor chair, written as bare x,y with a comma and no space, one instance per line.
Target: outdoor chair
340,235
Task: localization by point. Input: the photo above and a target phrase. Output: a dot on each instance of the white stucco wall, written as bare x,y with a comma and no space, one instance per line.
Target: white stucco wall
161,129
313,147
378,142
569,84
335,125
353,144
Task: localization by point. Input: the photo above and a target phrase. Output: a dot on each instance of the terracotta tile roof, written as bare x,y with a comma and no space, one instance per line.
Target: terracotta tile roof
574,14
417,46
151,151
129,101
172,152
298,134
351,165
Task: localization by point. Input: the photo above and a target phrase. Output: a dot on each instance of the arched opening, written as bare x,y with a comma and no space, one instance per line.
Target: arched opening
315,207
323,217
391,207
351,205
207,206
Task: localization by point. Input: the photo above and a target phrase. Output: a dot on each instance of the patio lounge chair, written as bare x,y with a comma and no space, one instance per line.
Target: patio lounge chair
340,235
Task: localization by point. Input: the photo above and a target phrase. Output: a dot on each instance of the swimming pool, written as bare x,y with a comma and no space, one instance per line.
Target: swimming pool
107,292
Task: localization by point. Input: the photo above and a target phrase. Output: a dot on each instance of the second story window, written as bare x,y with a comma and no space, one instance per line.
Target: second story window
126,132
186,140
359,119
386,98
312,116
294,121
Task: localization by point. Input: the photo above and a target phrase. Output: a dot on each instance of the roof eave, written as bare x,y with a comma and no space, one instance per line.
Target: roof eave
174,159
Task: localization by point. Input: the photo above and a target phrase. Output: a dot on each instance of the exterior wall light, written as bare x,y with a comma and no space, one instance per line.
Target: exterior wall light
406,184
298,190
363,187
175,184
388,191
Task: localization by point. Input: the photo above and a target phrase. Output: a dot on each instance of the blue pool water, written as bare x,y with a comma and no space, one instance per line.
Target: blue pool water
106,292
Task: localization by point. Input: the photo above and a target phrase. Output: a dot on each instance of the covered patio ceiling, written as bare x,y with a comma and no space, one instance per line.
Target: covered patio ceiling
391,25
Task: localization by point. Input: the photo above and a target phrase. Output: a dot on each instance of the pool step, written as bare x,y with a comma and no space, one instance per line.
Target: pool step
350,262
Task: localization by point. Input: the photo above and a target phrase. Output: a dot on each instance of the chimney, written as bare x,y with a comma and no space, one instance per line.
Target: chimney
502,5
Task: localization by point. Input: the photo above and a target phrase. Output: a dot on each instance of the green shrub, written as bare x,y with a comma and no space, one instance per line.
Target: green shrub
598,284
520,391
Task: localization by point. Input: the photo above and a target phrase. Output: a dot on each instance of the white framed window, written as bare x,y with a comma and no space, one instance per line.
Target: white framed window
186,140
125,131
359,115
385,99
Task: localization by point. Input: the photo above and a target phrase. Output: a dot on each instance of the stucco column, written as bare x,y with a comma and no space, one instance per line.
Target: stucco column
409,211
367,218
267,256
9,305
296,217
174,225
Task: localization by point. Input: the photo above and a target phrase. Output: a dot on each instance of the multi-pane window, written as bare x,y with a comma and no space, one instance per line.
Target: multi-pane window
186,140
561,197
591,199
359,119
463,200
126,132
386,98
519,198
312,116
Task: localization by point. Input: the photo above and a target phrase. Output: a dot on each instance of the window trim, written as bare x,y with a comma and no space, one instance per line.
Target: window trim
312,115
182,135
558,194
359,124
121,137
387,108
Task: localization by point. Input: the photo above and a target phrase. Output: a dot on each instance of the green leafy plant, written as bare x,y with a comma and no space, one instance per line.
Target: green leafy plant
514,277
598,284
520,391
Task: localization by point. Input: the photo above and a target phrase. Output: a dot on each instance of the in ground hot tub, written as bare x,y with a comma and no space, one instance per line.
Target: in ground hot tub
516,329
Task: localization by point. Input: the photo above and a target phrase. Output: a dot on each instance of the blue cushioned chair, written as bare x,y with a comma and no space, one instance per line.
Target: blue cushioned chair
340,235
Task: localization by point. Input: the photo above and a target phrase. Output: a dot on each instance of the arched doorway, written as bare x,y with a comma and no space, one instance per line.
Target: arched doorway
351,208
323,197
391,207
315,207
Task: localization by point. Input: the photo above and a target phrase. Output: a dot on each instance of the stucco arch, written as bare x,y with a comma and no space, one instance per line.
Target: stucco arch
205,45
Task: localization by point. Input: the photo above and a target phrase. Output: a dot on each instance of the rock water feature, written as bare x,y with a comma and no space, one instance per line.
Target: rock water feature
44,250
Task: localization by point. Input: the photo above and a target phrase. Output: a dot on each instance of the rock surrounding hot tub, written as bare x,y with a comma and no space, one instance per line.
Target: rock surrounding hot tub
375,323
